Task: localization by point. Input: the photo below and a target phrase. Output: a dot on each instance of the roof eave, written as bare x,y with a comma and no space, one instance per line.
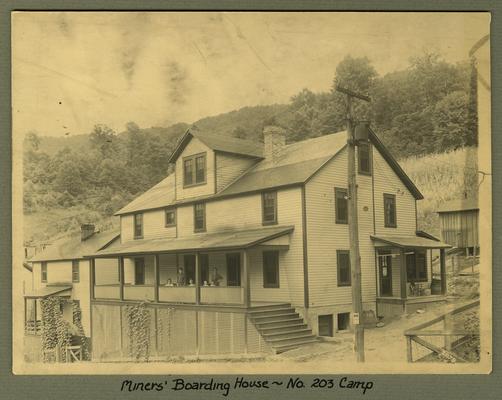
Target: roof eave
395,166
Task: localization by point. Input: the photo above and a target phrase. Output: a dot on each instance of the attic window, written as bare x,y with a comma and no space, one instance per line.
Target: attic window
138,226
194,170
364,158
269,208
44,272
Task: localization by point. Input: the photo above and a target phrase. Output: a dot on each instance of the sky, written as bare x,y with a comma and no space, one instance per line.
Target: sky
74,70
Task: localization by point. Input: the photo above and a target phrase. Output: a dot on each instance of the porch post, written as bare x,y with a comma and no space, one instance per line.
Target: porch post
92,279
156,259
121,277
197,278
26,314
403,274
245,274
442,264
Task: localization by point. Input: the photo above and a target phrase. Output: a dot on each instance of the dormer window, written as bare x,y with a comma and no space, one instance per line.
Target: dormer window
138,226
194,170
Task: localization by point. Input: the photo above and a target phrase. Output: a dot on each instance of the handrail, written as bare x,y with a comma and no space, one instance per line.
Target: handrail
465,307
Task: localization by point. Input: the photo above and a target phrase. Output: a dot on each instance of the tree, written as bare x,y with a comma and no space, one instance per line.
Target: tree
356,74
450,121
103,139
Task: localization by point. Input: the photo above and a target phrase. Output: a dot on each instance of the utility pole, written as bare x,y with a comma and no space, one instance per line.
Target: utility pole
355,257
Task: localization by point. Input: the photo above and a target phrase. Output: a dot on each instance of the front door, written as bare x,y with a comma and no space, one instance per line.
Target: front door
385,272
233,269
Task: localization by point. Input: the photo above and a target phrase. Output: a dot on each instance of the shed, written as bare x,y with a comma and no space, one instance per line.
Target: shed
459,222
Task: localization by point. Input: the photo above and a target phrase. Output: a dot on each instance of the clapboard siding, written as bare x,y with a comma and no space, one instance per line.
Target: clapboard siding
154,226
325,236
258,292
195,146
61,272
229,167
386,181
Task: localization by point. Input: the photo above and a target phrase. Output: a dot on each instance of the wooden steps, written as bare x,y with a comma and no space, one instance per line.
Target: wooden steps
281,327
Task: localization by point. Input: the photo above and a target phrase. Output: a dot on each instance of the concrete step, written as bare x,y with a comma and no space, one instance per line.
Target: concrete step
275,318
294,333
294,345
278,324
292,339
269,313
292,326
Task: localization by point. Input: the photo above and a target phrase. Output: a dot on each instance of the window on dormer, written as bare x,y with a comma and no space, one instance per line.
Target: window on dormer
194,170
138,226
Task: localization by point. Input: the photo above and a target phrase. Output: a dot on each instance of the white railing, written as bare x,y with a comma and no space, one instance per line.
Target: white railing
222,295
177,294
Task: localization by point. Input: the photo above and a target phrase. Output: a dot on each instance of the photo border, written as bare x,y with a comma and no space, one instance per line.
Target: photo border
386,386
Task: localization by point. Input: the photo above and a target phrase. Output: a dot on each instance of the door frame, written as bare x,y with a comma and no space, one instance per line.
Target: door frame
387,253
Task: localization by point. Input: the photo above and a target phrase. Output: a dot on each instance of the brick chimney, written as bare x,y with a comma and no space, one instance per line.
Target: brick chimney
274,138
86,231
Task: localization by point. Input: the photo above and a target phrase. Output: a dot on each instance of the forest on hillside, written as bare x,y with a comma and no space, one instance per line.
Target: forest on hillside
428,108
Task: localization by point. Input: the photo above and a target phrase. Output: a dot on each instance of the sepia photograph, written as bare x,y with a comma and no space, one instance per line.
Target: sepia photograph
251,192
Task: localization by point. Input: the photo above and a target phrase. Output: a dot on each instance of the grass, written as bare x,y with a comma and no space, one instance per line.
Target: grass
441,177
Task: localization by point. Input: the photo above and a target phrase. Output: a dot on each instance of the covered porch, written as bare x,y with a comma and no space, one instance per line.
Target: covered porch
410,272
33,307
204,270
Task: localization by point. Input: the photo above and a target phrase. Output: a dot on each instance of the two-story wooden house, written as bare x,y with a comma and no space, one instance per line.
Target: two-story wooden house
245,247
61,270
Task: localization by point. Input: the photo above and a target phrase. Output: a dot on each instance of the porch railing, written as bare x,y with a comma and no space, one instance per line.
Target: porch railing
33,327
443,337
107,291
177,294
222,294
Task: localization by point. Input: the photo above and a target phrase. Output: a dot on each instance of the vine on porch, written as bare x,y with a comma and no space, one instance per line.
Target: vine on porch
56,332
138,319
164,324
77,321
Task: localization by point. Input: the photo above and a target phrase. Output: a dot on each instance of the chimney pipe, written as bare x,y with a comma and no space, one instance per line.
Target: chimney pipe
86,231
274,138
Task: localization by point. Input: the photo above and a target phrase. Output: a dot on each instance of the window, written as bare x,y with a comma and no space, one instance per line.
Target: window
199,217
364,158
75,271
271,269
343,320
343,267
341,206
194,170
389,206
269,208
138,226
416,266
139,271
44,272
325,323
233,269
170,217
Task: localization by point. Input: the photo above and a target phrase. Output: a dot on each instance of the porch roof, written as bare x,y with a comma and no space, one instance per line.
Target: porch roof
43,292
408,241
209,241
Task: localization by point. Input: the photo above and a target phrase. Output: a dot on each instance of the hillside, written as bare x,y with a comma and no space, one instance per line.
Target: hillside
419,113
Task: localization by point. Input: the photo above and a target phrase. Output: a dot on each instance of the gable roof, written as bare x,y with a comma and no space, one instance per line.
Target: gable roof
161,195
459,205
72,248
217,142
295,164
395,166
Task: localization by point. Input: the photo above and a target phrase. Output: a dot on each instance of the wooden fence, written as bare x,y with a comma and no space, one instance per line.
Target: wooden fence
440,337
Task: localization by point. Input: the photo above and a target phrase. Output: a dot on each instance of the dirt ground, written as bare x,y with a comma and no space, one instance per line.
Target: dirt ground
387,344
